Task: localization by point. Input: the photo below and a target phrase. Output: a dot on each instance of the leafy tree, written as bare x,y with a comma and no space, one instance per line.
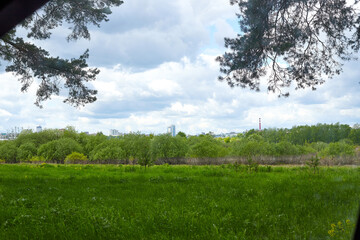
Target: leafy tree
338,149
256,137
285,148
26,151
94,141
142,150
297,40
29,61
250,132
57,150
70,132
109,150
136,146
181,134
318,146
207,147
165,146
273,135
252,147
355,135
8,152
38,139
83,139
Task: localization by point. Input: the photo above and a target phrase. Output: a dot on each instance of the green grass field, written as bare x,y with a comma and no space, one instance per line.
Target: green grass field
176,202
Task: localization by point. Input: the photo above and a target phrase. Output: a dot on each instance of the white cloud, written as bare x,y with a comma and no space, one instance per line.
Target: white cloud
157,68
4,113
164,86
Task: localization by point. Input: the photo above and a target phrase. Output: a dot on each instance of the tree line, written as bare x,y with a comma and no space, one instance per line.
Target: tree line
68,146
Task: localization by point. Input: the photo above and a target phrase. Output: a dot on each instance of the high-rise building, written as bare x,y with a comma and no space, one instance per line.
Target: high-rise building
114,132
38,129
171,130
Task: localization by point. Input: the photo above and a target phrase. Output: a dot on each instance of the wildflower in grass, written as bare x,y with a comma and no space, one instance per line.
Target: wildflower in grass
331,232
340,230
340,226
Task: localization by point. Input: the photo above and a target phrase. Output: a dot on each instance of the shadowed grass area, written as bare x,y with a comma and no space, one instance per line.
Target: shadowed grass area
175,202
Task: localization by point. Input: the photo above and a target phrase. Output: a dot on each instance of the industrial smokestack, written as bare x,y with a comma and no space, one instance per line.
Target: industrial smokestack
259,124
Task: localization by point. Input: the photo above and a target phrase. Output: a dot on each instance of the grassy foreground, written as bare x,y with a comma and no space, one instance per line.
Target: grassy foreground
176,202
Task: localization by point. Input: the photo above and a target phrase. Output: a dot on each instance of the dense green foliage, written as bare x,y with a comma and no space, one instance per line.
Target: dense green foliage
206,147
327,140
26,151
57,150
317,133
49,201
164,146
8,152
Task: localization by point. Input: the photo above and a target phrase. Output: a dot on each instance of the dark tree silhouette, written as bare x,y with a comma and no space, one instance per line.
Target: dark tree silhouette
301,41
30,62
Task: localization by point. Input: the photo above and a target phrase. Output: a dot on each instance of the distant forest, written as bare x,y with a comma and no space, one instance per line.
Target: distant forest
68,146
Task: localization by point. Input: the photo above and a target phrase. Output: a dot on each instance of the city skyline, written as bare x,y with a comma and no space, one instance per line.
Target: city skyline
168,130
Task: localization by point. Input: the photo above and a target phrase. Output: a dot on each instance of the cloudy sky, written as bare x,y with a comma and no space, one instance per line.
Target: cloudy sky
157,62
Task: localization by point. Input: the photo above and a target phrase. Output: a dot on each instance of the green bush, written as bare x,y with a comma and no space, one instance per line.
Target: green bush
338,149
37,159
285,148
314,163
75,157
245,148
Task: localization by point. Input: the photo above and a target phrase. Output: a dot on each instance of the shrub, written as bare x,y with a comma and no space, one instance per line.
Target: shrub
285,148
37,159
246,147
252,165
313,163
338,149
75,157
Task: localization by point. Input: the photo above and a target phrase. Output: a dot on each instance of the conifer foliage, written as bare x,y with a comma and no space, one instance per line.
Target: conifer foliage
29,62
301,41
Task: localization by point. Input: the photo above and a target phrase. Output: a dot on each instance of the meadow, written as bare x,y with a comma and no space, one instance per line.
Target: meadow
49,201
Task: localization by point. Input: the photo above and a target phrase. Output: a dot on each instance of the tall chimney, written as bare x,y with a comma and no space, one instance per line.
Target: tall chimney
259,124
